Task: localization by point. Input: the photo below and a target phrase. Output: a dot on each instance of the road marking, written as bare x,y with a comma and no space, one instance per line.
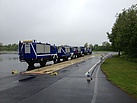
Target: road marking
96,82
92,67
95,87
96,64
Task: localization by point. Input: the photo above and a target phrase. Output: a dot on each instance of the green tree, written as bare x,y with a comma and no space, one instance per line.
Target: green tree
106,46
96,47
91,46
124,32
1,46
9,47
86,45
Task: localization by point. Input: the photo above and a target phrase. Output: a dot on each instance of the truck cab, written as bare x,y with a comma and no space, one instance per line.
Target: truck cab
64,53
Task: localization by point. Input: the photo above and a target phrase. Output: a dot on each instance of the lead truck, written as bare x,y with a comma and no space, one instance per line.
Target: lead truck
32,51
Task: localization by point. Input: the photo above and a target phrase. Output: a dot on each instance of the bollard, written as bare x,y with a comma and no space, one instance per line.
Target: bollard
14,72
54,73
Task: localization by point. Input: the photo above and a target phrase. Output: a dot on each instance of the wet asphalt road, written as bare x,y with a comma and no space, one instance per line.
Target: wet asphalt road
69,86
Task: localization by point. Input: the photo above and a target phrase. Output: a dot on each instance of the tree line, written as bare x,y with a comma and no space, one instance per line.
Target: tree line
124,32
106,46
9,47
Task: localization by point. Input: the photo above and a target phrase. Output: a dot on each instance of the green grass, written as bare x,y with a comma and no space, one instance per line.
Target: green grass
122,73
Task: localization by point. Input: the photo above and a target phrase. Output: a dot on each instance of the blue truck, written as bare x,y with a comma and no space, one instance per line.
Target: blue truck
77,52
89,50
86,50
32,52
64,52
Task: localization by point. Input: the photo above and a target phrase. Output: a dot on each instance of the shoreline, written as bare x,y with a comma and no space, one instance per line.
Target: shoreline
8,52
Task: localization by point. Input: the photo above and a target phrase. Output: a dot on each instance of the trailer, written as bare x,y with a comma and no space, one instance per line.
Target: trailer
84,50
89,50
64,52
77,52
32,52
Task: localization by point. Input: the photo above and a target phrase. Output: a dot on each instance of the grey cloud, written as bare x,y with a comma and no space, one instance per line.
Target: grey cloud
72,22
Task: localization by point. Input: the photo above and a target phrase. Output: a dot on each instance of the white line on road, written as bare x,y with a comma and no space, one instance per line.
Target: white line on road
96,82
95,87
92,67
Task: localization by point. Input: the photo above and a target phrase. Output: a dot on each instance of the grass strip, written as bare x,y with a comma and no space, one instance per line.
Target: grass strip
122,73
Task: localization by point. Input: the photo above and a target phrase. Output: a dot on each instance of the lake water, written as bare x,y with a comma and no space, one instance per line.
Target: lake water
9,62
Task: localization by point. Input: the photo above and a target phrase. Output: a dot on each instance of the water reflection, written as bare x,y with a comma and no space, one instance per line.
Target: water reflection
13,58
9,62
0,60
7,57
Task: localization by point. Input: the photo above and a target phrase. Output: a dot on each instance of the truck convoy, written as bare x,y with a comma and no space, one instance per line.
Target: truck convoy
32,51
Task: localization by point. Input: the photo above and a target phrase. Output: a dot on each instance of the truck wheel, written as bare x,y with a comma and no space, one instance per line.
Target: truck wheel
31,66
65,59
42,63
58,60
55,60
75,56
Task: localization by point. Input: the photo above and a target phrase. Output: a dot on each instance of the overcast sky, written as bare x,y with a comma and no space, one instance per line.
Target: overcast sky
71,22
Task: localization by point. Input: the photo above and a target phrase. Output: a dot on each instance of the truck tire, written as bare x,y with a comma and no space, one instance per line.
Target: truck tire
55,60
42,63
58,60
65,58
31,66
73,57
